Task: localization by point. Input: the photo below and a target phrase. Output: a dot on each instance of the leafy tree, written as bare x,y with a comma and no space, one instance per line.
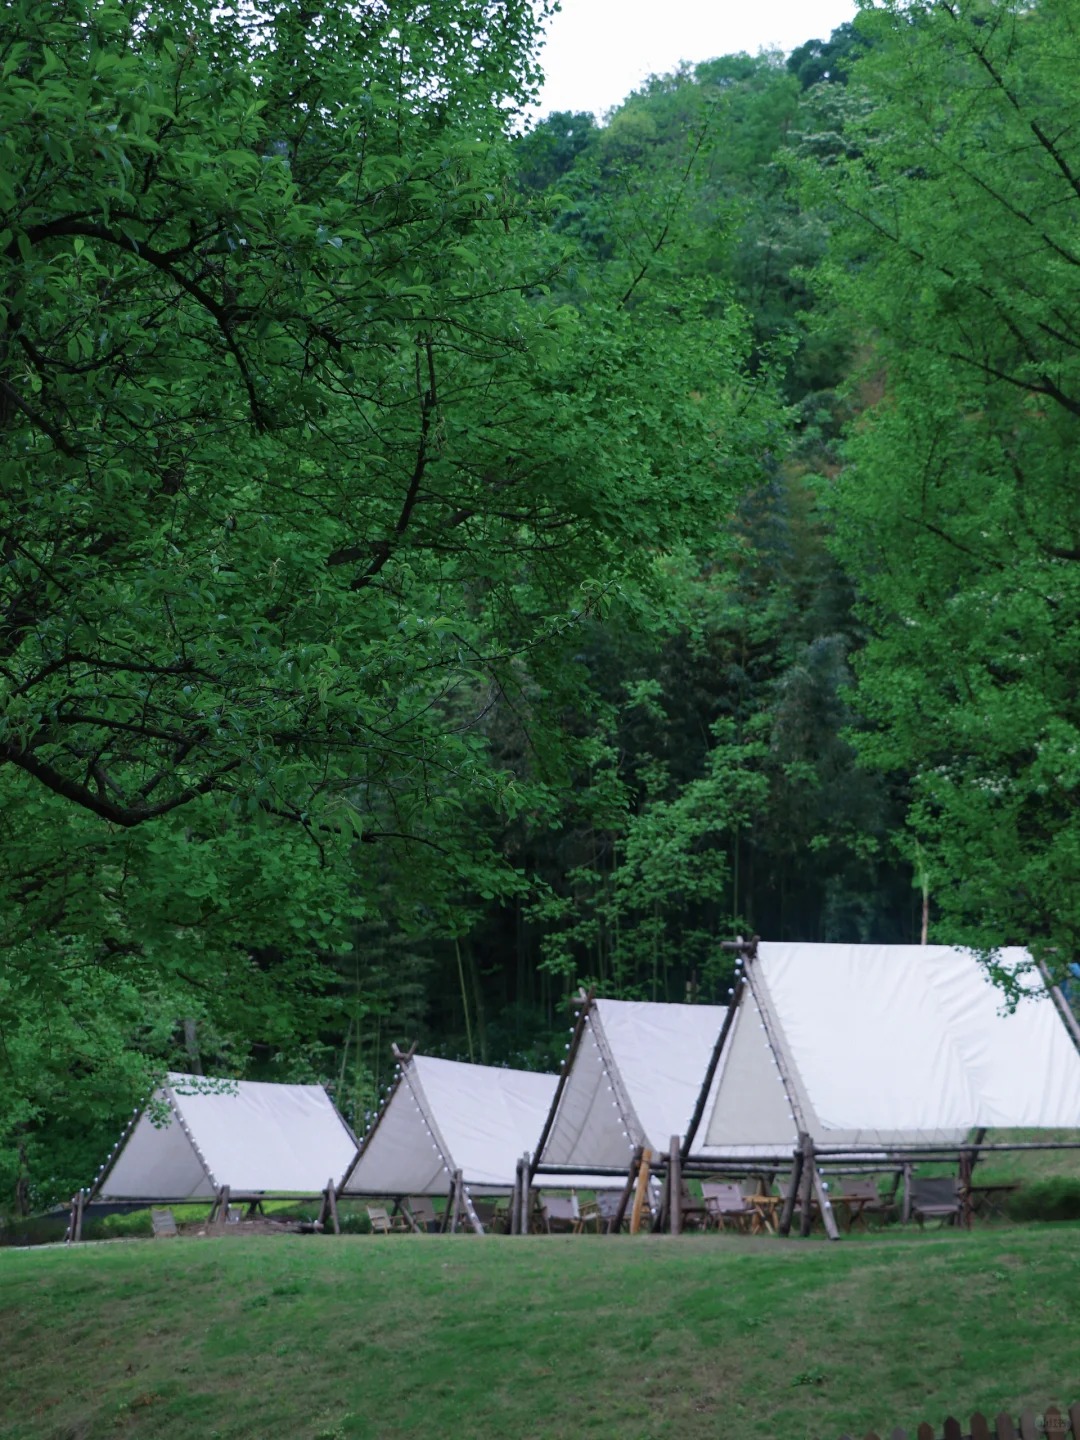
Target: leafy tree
827,60
957,514
316,458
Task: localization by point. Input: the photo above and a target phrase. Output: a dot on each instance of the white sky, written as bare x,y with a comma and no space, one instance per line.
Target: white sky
599,50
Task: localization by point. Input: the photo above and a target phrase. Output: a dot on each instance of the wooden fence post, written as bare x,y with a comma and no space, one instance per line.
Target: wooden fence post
449,1207
223,1209
1031,1428
331,1198
675,1186
515,1203
523,1200
639,1193
527,1193
615,1224
828,1219
456,1217
806,1188
78,1205
788,1212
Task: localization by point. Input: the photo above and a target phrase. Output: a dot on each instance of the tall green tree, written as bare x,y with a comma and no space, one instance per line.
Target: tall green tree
315,456
957,515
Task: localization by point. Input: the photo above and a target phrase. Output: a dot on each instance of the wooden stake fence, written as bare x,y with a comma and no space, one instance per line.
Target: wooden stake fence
1028,1427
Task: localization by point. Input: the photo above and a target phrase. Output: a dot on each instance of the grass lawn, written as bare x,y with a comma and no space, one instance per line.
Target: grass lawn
321,1337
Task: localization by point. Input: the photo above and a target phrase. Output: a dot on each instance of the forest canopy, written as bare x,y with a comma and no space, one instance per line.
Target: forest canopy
450,556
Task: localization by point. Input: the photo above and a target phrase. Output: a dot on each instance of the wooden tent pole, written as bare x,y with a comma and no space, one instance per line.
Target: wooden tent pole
456,1218
78,1204
807,1186
905,1214
828,1219
523,1197
639,1193
470,1210
515,1201
615,1224
788,1212
675,1187
331,1200
527,1193
714,1060
449,1206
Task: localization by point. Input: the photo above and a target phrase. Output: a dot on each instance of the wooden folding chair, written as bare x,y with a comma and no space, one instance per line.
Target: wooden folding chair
564,1211
726,1204
383,1223
422,1211
938,1198
607,1204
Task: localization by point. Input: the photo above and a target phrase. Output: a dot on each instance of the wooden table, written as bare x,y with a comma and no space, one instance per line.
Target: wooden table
855,1206
765,1209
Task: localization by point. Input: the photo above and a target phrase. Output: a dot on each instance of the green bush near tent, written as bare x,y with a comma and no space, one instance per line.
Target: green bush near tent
1057,1198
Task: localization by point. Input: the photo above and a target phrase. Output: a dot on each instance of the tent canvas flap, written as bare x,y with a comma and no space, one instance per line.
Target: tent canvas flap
893,1045
253,1136
634,1080
404,1155
661,1051
263,1137
750,1110
157,1162
589,1127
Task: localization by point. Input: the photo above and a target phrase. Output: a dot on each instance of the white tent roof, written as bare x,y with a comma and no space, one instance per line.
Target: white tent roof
886,1044
634,1080
254,1137
445,1115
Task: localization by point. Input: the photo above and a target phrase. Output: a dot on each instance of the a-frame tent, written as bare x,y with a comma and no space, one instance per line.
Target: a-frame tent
881,1050
251,1139
445,1119
630,1082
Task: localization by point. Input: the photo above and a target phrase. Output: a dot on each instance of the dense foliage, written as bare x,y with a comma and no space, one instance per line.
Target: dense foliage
449,558
958,513
318,456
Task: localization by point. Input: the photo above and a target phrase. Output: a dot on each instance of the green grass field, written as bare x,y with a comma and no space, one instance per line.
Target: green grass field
320,1337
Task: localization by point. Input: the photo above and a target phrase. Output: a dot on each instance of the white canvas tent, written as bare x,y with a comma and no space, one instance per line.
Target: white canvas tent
632,1078
884,1046
444,1117
256,1139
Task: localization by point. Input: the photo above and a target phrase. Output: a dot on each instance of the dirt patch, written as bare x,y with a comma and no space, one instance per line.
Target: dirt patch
256,1225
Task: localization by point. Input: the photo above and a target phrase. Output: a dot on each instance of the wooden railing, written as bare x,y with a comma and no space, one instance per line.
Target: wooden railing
1028,1427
